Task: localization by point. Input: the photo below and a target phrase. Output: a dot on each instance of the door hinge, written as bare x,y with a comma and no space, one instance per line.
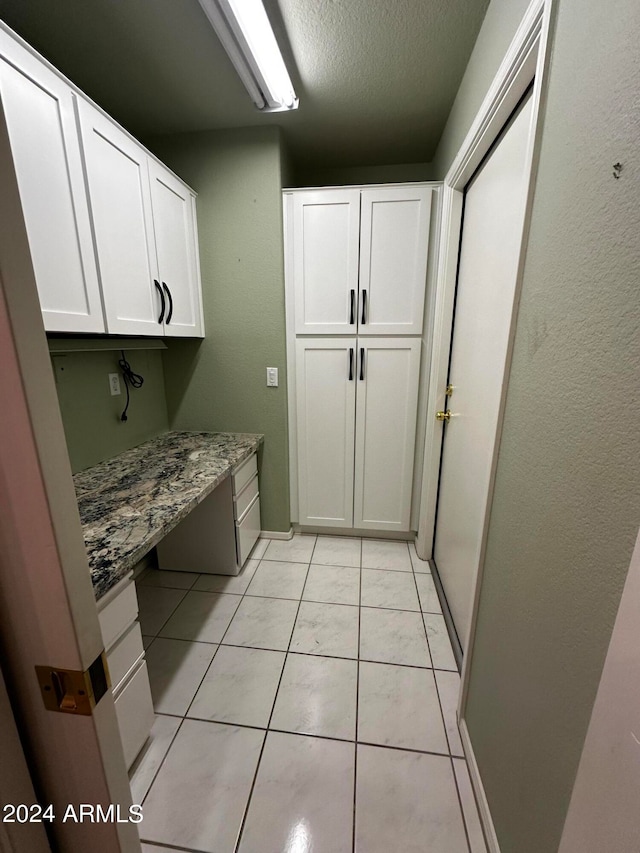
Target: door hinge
74,691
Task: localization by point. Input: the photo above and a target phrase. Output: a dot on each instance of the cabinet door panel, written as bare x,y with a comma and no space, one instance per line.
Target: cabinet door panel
326,409
393,259
325,261
38,108
177,250
387,403
120,198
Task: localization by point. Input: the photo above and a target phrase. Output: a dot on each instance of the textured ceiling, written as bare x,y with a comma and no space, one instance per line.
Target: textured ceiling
376,78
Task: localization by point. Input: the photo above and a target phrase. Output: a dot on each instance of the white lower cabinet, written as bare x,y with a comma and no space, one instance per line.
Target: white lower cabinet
356,418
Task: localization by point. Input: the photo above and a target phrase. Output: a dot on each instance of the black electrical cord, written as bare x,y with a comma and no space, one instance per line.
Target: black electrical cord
130,378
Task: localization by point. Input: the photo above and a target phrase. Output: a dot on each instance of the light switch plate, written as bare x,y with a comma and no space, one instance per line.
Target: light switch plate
272,377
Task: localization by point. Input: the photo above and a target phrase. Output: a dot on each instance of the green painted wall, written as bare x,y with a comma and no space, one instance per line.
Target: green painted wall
566,504
220,383
307,176
91,416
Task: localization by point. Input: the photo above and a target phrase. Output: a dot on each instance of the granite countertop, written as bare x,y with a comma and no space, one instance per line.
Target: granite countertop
128,503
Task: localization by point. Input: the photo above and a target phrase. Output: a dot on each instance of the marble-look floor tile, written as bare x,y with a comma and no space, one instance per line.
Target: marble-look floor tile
146,641
202,616
278,580
326,629
147,763
303,797
234,584
384,554
239,687
439,642
156,604
419,566
199,796
264,623
407,802
393,636
429,601
469,807
170,579
337,551
259,549
449,692
395,590
176,668
154,848
398,706
332,585
298,549
317,696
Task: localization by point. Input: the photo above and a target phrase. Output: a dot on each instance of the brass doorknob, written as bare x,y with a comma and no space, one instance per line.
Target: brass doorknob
443,416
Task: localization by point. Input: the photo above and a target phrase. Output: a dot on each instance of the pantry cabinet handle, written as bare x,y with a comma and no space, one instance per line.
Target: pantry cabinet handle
361,363
351,363
170,311
352,314
157,284
364,307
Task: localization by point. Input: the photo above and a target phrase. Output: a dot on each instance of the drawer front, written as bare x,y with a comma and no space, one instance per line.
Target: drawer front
124,655
134,710
118,615
245,498
248,531
244,473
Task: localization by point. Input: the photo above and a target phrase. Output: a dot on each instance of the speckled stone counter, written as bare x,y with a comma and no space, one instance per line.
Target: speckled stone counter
128,503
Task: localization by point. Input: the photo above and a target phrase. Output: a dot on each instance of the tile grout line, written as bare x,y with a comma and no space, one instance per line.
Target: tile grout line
355,748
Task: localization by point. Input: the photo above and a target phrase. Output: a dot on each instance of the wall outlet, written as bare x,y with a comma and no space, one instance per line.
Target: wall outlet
114,384
272,377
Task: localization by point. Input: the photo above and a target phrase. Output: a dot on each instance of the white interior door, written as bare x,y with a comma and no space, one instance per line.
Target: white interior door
118,181
177,252
386,410
393,259
326,236
326,400
489,255
38,108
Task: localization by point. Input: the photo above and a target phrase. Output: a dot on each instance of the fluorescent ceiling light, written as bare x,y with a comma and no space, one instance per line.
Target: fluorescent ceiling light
245,32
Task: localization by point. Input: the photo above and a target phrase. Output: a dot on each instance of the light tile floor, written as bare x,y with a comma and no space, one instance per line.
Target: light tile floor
308,704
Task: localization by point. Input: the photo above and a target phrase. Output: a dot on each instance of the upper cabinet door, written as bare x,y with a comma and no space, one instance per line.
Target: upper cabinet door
176,240
326,234
38,108
393,260
120,198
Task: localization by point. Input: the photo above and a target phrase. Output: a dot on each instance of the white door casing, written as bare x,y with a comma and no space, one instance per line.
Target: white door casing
326,233
489,256
386,412
39,111
393,259
326,401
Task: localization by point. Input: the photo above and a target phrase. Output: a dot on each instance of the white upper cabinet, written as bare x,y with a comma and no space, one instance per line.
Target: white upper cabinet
393,259
120,199
176,241
38,108
326,233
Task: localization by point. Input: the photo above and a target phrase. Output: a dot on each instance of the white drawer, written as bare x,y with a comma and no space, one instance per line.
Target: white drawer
245,498
124,655
247,471
134,710
248,531
118,614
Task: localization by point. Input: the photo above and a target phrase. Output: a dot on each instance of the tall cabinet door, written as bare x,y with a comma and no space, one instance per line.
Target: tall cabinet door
326,398
387,404
326,234
393,259
118,180
176,241
38,108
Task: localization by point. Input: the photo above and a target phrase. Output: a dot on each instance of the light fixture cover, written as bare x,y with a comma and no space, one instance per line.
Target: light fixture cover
246,34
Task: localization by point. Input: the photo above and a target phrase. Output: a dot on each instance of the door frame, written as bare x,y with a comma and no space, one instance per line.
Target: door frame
526,60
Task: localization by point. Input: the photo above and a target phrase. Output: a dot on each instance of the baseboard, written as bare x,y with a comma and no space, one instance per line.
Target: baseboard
276,534
405,536
478,789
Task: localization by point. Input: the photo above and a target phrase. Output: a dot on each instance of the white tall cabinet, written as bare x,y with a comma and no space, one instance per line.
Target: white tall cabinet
356,274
